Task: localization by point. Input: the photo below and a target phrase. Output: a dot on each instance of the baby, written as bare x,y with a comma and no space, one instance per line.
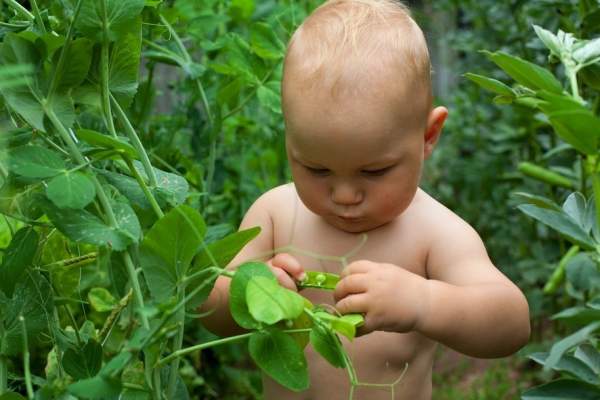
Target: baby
357,104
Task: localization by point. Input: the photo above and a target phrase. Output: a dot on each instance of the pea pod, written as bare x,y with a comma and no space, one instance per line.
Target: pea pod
558,276
319,280
545,175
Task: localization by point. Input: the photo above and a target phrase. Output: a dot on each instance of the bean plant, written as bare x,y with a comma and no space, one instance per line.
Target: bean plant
108,256
567,103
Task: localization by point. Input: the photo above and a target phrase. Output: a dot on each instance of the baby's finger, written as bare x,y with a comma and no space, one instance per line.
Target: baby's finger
356,303
284,279
290,264
357,267
351,284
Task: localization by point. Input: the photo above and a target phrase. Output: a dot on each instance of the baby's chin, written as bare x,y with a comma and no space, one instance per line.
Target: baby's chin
360,225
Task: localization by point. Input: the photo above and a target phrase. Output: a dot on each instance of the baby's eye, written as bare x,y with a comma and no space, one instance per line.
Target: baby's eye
317,171
376,172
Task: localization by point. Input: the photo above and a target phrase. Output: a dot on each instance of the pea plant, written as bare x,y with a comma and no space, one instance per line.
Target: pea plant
106,258
567,104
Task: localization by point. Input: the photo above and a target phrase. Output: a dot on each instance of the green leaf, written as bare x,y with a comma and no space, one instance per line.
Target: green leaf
561,347
75,70
526,73
11,396
269,302
224,250
578,315
590,356
71,190
578,128
549,39
124,65
278,355
101,140
265,43
490,84
327,345
582,272
570,365
101,299
35,162
18,256
237,292
588,51
97,387
117,20
347,324
563,389
269,97
83,226
32,299
575,207
168,248
83,362
561,222
539,201
172,188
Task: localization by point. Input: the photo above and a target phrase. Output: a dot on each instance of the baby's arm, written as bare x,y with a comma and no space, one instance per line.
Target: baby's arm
472,307
284,266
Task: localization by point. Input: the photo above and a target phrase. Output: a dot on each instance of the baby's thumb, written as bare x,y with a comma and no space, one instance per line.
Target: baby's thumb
289,264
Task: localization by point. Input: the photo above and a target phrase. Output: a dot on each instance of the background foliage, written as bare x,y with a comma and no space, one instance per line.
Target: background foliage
204,100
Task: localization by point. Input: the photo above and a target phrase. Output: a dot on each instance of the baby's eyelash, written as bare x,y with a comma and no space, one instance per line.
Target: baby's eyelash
377,172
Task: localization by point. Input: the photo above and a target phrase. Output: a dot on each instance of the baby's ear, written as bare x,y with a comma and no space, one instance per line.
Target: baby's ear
435,123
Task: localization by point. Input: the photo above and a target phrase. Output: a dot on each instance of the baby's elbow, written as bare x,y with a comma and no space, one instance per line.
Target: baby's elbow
521,328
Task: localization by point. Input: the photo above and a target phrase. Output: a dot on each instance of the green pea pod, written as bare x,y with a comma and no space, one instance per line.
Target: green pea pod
558,276
545,175
319,280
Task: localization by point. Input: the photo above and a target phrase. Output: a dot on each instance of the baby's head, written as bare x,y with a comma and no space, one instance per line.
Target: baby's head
356,94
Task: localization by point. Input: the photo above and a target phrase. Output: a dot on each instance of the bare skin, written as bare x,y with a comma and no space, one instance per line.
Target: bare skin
422,277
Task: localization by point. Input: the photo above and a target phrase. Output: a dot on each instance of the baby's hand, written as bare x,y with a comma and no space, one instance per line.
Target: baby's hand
287,269
391,298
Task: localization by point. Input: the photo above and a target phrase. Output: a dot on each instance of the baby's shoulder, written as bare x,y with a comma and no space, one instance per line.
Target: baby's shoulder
276,200
437,219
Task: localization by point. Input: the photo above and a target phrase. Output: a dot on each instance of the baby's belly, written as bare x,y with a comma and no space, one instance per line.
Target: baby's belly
379,358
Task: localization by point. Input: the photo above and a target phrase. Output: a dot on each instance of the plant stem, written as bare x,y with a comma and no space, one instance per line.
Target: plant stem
156,394
177,344
20,10
572,74
26,358
144,187
38,16
104,60
76,154
3,374
201,346
135,141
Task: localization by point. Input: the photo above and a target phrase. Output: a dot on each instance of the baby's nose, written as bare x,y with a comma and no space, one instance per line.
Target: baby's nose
345,194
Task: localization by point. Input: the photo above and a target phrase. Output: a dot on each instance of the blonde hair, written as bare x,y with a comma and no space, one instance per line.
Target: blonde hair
348,46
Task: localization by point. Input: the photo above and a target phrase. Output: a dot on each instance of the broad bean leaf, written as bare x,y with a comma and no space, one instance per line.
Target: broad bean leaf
571,365
83,226
563,389
35,162
270,303
561,222
549,39
578,315
237,292
575,206
539,201
105,141
84,362
224,250
97,387
327,345
118,18
278,355
561,347
18,256
578,128
582,272
168,248
32,298
490,84
71,190
526,73
590,356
